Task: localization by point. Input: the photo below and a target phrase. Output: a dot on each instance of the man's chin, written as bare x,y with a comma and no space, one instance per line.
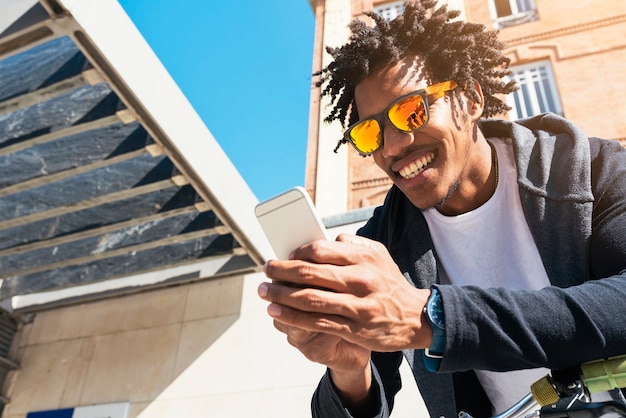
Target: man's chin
428,200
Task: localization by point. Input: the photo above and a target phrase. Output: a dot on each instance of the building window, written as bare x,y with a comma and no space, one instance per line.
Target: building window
512,12
537,91
390,10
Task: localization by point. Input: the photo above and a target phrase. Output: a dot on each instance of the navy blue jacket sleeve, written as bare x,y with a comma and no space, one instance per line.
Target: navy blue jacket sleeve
326,402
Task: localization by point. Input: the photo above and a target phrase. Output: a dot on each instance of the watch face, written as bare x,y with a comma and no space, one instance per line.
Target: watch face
435,310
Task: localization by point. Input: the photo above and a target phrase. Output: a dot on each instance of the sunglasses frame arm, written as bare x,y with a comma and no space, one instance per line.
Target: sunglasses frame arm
439,89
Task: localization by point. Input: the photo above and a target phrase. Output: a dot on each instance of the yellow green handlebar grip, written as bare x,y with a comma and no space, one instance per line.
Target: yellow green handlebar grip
605,374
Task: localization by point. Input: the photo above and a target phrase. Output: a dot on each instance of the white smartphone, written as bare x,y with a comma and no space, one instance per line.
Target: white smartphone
290,220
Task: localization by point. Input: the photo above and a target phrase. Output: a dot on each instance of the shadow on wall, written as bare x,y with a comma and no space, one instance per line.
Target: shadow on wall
133,348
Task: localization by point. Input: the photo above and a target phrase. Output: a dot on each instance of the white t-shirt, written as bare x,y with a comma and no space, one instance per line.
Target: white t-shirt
492,246
502,254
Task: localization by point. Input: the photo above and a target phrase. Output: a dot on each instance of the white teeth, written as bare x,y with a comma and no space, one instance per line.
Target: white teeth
416,167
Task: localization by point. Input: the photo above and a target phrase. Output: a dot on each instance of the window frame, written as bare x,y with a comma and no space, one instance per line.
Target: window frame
543,96
517,16
382,8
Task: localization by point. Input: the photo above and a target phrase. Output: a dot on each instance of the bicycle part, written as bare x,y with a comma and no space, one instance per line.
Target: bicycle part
606,374
580,409
549,390
522,409
544,392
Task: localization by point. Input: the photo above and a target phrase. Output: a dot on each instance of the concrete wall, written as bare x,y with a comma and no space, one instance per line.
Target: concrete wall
199,350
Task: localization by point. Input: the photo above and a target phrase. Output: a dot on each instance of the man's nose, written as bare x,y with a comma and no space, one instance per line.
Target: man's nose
394,140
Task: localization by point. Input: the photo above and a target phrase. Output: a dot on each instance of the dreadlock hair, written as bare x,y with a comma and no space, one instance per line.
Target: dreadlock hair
451,50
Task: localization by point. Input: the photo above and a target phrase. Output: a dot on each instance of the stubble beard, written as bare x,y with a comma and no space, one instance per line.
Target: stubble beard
451,190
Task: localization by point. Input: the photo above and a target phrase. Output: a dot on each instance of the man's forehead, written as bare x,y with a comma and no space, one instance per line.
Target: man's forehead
409,73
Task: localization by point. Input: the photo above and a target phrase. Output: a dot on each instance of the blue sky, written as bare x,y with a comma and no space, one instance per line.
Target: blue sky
245,66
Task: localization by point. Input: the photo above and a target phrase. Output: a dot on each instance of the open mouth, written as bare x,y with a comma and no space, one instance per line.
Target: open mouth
416,167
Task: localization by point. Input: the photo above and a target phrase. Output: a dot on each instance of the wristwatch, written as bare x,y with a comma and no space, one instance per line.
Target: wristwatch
434,313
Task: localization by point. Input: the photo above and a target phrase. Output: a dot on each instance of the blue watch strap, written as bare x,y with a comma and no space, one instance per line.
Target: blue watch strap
434,313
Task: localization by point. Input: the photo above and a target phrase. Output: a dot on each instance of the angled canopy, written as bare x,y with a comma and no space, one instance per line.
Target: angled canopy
109,180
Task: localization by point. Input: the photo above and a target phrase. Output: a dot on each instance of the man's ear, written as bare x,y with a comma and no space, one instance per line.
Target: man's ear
475,108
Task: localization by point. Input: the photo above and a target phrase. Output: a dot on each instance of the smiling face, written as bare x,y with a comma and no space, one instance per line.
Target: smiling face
445,164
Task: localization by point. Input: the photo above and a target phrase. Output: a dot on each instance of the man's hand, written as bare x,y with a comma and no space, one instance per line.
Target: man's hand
339,300
351,289
349,363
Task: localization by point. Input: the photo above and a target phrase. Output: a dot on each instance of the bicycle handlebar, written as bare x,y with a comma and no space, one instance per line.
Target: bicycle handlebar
597,376
606,374
593,376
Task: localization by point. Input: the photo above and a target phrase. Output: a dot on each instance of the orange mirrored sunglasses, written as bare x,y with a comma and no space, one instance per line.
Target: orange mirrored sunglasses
407,113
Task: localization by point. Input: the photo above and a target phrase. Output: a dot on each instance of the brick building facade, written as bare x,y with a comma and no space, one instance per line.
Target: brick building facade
568,58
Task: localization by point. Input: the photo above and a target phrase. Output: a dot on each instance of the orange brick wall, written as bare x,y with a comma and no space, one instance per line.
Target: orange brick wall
585,41
368,183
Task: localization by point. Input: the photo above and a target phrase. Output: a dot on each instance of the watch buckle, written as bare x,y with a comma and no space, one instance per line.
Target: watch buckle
430,354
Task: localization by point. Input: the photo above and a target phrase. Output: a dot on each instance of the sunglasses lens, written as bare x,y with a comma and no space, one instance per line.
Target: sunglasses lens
366,136
408,114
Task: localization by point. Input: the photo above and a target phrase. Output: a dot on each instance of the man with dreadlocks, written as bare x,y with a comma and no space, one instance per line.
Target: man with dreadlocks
499,252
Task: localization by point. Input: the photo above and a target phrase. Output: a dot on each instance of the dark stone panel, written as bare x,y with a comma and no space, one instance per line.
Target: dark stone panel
187,195
124,175
31,17
86,103
8,328
161,171
71,152
237,263
127,264
223,244
141,232
40,66
100,216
